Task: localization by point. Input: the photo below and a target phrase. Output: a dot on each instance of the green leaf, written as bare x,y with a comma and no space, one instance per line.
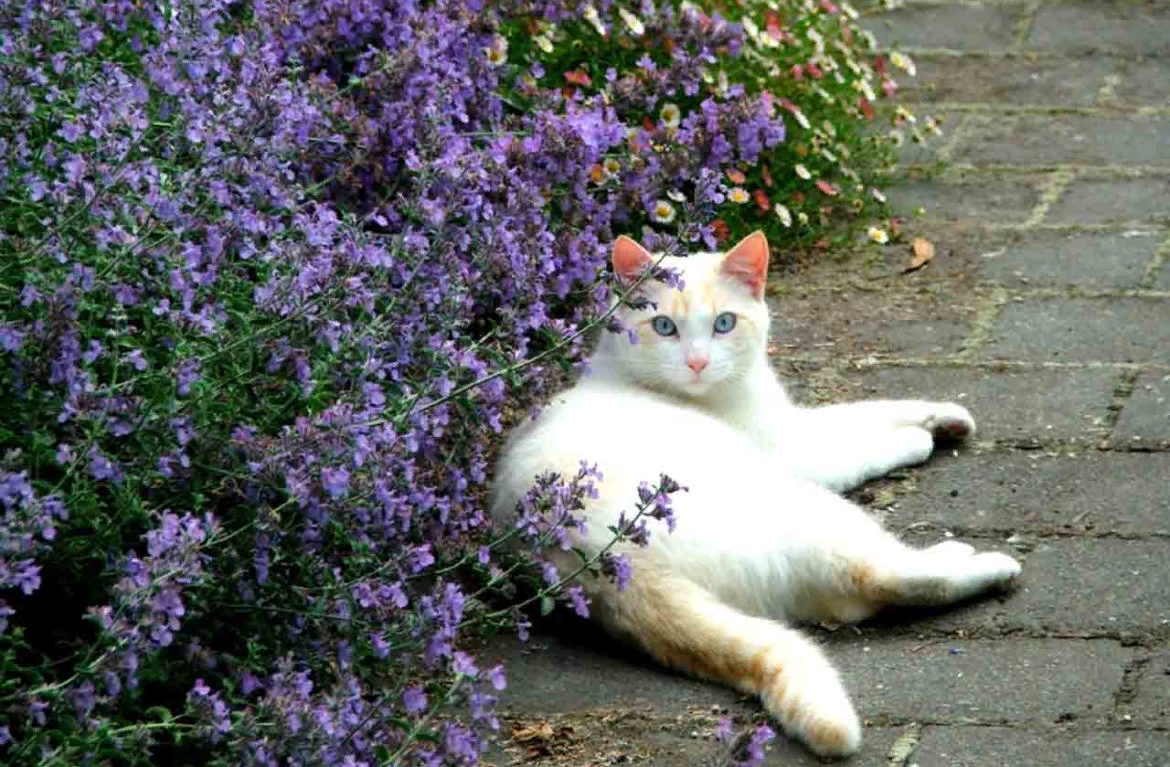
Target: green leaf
547,604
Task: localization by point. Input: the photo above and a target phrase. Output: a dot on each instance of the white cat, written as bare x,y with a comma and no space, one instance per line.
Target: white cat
762,538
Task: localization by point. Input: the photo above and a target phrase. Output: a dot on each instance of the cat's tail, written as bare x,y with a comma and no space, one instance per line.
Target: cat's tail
684,626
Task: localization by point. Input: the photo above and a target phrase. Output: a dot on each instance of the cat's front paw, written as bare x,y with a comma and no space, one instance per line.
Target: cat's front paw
950,422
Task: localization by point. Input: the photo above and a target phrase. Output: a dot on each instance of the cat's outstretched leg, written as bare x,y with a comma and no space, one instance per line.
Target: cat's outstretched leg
840,463
685,627
944,420
943,574
844,445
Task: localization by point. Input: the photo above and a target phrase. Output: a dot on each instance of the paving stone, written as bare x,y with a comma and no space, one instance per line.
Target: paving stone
1010,80
1023,406
853,322
1034,492
1163,279
982,680
1097,261
957,27
1143,82
1003,200
1100,201
1083,329
583,741
615,701
1080,28
1150,702
1097,585
1048,140
1039,747
578,669
1145,419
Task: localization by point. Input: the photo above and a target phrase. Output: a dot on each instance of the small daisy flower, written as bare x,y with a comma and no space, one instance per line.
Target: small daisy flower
802,218
897,137
497,53
611,166
932,126
877,235
671,115
903,113
738,194
878,195
543,43
829,129
662,212
850,11
632,22
751,29
817,40
800,118
903,62
594,18
802,172
676,195
783,214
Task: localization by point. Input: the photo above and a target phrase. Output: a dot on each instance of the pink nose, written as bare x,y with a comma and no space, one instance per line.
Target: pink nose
697,364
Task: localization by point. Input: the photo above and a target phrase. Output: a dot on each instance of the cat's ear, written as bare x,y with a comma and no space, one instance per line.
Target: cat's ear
747,263
629,258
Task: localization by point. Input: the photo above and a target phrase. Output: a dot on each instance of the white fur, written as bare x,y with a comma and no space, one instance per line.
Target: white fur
760,532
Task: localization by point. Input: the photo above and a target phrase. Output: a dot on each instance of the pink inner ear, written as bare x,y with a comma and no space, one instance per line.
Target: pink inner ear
629,258
747,262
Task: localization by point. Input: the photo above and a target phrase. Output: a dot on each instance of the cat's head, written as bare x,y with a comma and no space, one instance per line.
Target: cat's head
699,339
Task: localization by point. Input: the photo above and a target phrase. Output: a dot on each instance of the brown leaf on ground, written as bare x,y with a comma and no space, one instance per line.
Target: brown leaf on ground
923,251
541,739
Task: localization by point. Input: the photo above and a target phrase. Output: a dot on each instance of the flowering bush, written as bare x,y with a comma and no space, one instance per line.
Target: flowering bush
811,63
274,275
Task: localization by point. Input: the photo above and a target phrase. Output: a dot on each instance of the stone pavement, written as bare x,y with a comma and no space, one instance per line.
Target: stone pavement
1047,312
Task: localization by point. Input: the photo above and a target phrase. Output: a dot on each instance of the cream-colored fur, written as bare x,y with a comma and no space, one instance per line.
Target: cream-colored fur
762,539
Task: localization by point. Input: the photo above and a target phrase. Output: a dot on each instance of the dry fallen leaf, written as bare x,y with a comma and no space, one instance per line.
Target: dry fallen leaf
923,251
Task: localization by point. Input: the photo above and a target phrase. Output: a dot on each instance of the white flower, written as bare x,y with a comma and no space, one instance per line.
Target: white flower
783,214
903,62
877,235
632,22
802,217
800,118
671,115
817,40
878,195
497,54
802,172
594,18
676,195
750,27
662,212
738,194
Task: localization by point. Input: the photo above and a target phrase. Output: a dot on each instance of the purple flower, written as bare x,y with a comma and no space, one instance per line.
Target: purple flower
335,481
414,699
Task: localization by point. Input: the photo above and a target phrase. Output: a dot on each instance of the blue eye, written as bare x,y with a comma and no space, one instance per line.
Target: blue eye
724,322
663,325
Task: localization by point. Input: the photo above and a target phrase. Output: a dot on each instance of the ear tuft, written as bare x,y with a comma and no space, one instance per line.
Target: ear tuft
629,258
747,263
